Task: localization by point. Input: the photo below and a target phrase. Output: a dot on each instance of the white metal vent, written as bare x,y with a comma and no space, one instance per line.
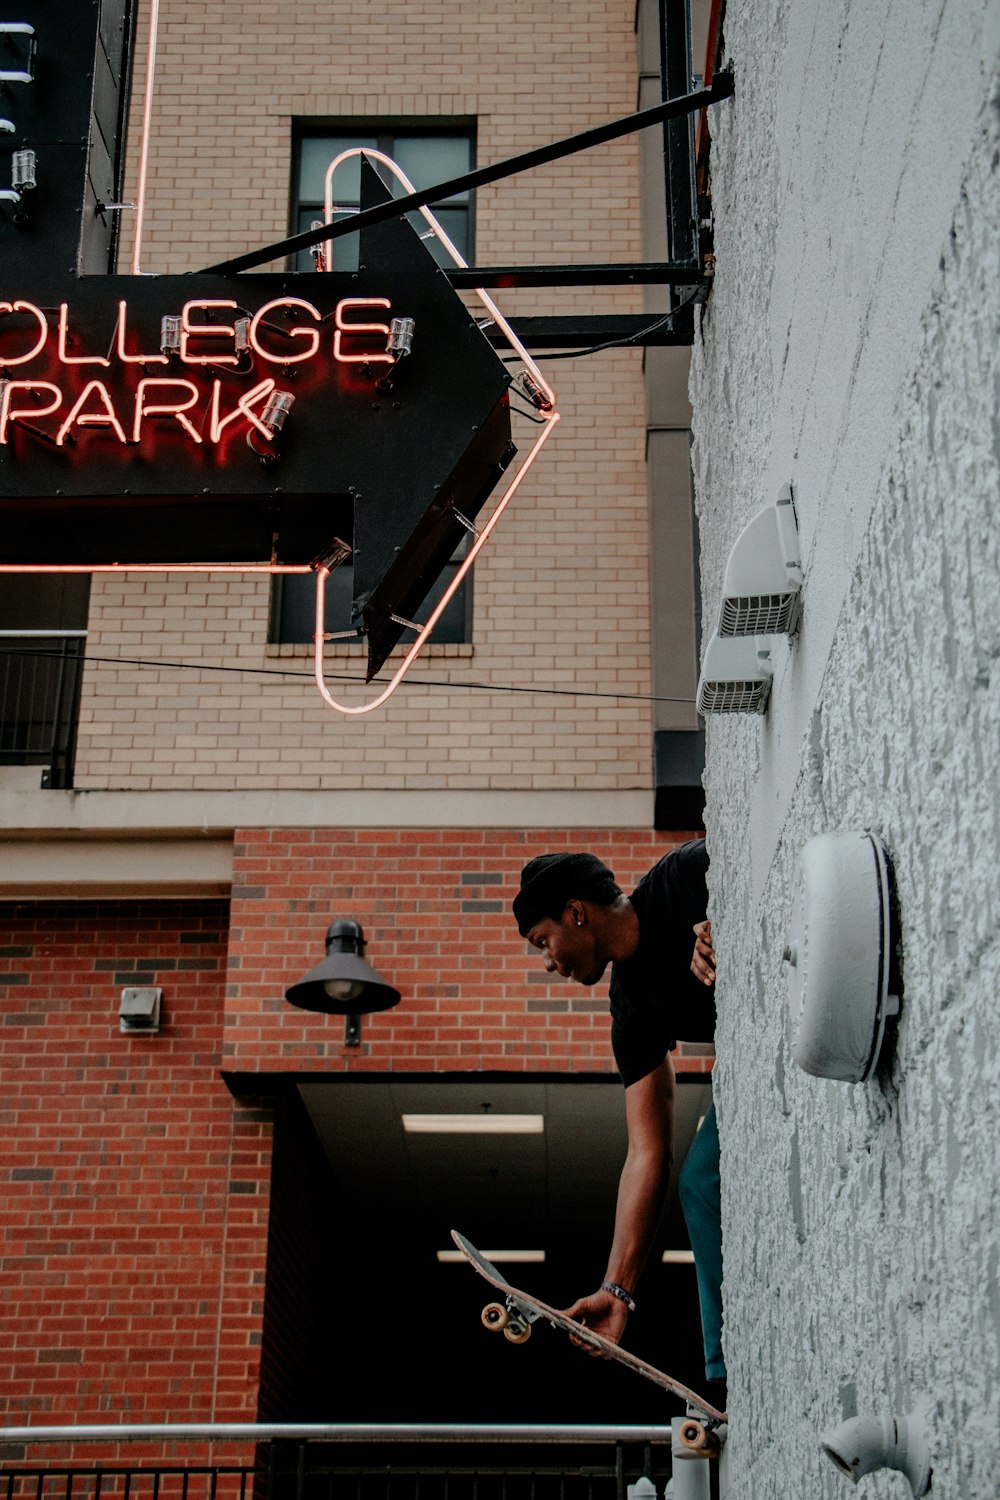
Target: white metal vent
735,677
763,581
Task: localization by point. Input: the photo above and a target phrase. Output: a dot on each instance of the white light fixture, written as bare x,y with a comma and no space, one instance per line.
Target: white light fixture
139,1009
23,164
400,338
276,409
170,333
678,1257
735,676
761,590
481,1124
498,1257
838,954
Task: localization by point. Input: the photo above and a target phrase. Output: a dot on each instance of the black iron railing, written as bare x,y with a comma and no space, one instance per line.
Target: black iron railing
345,1463
40,676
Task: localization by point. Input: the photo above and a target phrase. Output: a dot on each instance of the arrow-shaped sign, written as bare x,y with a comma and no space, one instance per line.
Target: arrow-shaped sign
250,421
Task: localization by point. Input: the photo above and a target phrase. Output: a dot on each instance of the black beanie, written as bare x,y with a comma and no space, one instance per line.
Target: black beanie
549,881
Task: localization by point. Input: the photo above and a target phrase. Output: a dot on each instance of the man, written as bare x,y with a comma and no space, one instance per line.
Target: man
658,942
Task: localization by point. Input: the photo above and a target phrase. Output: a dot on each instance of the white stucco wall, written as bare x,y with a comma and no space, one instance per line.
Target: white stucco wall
850,347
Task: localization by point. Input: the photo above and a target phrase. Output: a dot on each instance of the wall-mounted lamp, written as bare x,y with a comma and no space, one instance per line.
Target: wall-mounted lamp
735,676
344,984
864,1445
139,1009
23,165
762,587
400,342
839,952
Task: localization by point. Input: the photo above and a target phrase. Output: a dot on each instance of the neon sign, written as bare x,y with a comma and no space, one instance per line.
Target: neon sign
134,415
99,393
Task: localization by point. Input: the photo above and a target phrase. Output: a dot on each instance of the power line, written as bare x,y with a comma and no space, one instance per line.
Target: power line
480,687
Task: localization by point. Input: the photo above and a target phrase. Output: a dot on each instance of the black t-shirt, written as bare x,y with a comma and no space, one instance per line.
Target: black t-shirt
655,999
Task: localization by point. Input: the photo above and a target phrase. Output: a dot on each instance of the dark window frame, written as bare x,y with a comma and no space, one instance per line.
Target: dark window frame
287,618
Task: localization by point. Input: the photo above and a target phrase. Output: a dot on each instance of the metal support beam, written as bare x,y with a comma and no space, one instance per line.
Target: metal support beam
641,273
670,109
641,330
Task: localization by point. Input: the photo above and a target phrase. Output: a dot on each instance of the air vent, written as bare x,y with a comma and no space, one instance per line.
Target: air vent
735,676
763,581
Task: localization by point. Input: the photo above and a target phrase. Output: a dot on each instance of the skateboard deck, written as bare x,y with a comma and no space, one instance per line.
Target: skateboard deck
515,1316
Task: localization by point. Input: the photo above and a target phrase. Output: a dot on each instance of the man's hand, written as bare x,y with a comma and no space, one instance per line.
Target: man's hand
703,962
602,1312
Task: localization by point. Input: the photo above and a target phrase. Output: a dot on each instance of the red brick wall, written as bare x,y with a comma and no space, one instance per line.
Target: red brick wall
134,1188
435,908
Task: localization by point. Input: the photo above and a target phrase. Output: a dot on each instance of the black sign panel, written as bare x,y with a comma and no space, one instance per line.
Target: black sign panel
200,419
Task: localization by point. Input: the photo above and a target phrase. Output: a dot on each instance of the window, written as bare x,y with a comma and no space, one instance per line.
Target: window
427,154
293,603
43,631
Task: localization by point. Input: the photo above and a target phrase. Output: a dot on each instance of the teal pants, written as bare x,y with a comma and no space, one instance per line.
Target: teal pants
700,1193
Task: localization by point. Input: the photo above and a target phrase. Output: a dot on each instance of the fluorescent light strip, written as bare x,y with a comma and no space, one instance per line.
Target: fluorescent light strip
512,1257
678,1257
480,1124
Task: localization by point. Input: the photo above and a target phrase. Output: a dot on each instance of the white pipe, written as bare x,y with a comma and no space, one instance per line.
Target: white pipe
147,111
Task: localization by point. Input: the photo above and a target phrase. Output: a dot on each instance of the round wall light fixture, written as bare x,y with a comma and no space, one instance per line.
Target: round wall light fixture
838,953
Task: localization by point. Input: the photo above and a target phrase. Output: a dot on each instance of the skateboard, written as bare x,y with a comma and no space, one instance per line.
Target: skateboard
515,1315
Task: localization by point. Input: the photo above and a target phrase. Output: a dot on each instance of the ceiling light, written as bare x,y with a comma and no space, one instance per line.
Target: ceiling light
484,1124
512,1257
678,1257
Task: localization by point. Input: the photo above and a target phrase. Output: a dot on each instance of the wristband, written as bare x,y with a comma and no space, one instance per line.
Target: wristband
620,1293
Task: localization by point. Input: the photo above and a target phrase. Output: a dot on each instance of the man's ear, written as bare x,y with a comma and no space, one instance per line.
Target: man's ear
576,912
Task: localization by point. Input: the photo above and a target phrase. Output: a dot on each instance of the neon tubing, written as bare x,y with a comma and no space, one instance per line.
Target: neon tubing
425,630
147,113
551,418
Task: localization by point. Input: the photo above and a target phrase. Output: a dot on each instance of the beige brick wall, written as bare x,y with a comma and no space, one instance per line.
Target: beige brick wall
561,592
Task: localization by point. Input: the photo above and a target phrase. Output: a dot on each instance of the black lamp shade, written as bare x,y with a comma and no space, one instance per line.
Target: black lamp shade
343,984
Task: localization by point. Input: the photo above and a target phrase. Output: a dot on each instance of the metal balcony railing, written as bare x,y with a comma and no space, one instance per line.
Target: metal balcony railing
40,676
342,1462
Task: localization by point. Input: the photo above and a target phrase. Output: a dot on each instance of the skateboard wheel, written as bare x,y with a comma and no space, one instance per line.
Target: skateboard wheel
696,1437
517,1333
495,1317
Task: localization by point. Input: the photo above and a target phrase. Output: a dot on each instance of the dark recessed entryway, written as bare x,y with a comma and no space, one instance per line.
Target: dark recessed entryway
363,1322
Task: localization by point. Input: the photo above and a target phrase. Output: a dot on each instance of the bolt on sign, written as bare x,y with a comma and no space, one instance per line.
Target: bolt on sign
238,422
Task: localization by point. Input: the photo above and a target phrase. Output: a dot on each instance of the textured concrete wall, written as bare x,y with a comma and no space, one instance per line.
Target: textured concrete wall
850,348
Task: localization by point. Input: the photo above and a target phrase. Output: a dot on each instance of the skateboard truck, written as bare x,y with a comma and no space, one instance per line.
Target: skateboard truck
510,1318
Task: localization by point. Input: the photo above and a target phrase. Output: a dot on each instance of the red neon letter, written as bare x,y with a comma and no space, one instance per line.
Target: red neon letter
257,396
10,413
69,359
105,418
353,328
135,359
294,333
165,408
218,330
29,307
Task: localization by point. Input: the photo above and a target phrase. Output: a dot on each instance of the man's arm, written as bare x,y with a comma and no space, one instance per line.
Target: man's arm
649,1116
